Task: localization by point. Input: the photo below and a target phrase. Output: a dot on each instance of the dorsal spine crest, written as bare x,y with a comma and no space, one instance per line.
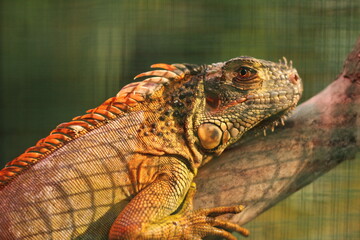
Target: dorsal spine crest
128,97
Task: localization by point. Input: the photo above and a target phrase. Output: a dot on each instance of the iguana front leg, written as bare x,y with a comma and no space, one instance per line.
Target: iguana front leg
163,210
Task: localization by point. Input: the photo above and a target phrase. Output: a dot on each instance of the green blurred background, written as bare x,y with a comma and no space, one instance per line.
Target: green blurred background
60,58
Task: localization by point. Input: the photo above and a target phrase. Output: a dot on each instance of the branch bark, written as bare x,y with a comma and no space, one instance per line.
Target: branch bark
261,171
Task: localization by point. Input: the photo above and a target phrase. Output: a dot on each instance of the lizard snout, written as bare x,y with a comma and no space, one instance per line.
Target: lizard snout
294,78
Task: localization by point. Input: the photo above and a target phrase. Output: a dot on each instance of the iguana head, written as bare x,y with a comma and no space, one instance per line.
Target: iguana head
240,94
214,105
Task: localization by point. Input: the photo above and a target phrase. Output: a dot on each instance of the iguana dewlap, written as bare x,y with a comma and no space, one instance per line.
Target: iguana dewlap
125,169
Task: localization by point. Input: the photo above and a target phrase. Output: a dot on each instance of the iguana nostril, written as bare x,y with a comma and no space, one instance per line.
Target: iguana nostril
294,77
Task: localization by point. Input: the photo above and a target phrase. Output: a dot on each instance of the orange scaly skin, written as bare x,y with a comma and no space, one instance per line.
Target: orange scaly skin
125,169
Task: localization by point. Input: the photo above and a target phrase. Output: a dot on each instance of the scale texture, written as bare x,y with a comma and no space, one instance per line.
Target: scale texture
125,169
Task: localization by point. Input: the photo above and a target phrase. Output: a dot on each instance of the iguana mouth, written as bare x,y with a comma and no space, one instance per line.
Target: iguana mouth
213,103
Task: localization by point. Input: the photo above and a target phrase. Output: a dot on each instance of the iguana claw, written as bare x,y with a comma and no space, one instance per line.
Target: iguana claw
198,224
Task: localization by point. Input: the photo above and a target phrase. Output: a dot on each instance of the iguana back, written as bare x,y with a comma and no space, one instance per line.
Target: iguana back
75,182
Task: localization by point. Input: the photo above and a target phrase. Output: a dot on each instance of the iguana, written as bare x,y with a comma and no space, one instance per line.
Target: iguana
125,169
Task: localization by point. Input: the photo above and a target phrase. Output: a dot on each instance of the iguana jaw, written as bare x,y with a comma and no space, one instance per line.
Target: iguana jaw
235,105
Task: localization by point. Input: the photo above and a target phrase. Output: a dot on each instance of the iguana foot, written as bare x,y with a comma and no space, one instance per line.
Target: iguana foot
183,224
204,222
197,224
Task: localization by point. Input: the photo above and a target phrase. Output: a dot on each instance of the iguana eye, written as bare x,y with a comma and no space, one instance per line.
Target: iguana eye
245,73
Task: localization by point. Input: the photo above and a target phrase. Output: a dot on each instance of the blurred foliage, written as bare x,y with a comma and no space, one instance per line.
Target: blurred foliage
59,58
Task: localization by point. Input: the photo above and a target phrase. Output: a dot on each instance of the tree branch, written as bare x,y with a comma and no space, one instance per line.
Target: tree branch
261,171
